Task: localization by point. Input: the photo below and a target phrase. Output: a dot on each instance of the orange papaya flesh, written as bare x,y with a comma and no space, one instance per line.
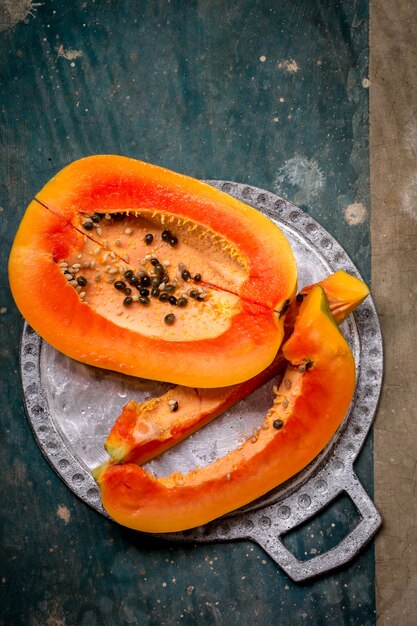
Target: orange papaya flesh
147,429
62,274
309,406
170,200
344,293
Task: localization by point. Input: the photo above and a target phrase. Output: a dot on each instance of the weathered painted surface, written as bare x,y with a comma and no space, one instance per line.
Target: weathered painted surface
394,229
273,94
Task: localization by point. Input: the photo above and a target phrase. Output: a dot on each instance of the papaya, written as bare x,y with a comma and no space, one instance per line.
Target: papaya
128,266
310,404
145,430
344,293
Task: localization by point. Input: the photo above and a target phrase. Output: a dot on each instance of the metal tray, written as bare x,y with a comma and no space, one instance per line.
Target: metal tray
71,408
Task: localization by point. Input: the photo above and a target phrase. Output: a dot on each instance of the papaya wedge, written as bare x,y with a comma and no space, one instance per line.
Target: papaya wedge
310,404
145,430
116,259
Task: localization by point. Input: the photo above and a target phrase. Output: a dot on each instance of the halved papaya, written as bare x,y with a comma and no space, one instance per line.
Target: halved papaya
310,404
145,430
130,267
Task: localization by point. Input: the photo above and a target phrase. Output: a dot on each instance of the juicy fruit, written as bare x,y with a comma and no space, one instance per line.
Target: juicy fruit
145,430
310,404
82,273
344,293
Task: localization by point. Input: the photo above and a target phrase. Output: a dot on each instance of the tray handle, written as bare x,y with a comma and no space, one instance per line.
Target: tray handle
343,552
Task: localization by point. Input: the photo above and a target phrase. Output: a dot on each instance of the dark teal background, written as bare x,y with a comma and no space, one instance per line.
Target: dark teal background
268,93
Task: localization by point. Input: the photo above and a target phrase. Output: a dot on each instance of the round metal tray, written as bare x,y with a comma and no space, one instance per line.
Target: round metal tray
71,408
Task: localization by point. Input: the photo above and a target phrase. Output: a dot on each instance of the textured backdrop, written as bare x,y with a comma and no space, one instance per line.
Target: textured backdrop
271,94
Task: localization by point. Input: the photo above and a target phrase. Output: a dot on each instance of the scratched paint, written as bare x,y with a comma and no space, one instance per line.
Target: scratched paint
63,513
355,213
14,11
68,53
288,65
305,177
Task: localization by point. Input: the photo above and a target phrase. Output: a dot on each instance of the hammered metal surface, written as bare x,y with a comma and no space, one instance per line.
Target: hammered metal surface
71,408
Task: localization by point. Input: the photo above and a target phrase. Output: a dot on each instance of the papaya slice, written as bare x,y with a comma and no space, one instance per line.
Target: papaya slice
344,293
131,267
310,404
147,429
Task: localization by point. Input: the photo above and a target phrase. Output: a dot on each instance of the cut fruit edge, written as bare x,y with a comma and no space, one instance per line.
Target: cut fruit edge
48,228
310,404
145,430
